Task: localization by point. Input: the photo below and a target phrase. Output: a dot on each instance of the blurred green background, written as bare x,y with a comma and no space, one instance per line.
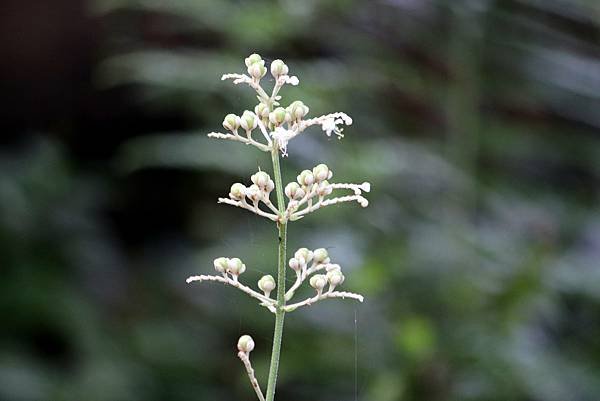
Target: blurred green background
477,123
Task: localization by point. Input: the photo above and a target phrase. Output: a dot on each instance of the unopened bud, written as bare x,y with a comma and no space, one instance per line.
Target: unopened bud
297,110
321,172
318,281
248,121
235,266
305,254
261,179
278,116
279,68
335,277
324,189
293,191
262,110
251,59
245,344
254,193
257,70
320,255
266,284
333,266
306,178
295,264
221,264
237,191
270,186
231,122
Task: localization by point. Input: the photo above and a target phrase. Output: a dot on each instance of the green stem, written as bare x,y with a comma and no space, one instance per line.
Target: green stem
280,313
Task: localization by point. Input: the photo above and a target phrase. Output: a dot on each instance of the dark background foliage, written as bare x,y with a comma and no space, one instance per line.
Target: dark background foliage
477,123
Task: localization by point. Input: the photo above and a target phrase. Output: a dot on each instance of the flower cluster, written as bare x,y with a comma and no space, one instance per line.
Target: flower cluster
305,264
307,194
276,123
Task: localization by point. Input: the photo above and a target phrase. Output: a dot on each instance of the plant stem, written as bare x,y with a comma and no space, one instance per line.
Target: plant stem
280,313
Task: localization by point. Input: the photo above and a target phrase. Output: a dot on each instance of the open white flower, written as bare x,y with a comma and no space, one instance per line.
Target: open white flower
282,136
329,126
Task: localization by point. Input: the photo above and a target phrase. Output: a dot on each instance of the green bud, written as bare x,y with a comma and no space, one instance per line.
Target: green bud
251,59
221,264
237,191
278,116
278,68
257,70
297,110
231,122
248,121
262,110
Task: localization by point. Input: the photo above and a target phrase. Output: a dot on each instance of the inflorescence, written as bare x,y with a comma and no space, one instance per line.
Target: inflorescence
277,126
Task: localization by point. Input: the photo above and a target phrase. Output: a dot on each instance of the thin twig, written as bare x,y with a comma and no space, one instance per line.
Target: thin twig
239,138
246,360
322,296
265,301
246,206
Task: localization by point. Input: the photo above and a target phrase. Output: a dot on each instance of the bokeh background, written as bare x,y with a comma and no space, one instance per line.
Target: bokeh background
477,123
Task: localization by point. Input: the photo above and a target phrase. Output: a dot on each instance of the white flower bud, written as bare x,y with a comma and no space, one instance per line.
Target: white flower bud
279,68
293,191
262,110
235,266
221,264
279,116
324,189
257,70
332,267
305,254
248,121
306,178
261,179
295,264
254,193
270,186
365,186
237,191
335,277
321,255
266,284
318,281
231,122
297,110
321,172
251,59
245,344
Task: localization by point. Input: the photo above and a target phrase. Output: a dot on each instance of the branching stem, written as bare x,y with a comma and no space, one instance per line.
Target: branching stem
281,250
